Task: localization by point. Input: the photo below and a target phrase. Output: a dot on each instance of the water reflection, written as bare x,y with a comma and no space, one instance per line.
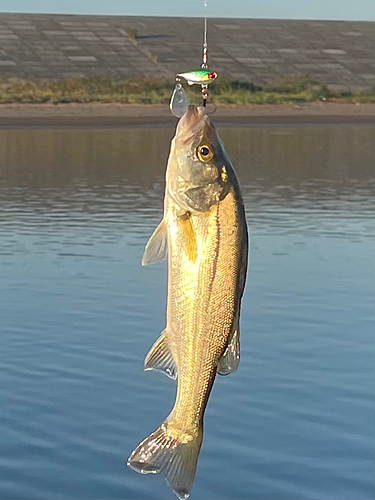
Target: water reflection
279,155
59,172
78,314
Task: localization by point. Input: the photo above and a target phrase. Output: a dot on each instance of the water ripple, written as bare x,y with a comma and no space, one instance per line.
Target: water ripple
78,314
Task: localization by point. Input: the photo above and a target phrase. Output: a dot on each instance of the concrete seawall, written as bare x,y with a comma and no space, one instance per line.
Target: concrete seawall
339,54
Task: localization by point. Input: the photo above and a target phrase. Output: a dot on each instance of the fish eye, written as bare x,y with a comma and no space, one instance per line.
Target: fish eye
212,75
204,153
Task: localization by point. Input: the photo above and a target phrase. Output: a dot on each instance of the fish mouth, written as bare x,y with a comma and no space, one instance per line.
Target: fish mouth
192,123
193,113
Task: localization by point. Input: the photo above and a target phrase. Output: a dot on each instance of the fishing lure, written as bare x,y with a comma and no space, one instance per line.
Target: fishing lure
179,101
203,77
198,76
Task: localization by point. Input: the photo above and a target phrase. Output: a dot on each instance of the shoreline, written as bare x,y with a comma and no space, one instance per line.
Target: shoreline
125,115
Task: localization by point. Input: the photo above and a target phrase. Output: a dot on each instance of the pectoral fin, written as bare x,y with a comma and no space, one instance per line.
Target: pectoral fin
189,238
157,246
231,358
160,358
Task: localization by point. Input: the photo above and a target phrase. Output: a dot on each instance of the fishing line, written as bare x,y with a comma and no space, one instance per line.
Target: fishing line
179,101
204,64
205,55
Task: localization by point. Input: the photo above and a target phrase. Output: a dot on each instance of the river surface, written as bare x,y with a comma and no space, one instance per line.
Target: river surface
79,313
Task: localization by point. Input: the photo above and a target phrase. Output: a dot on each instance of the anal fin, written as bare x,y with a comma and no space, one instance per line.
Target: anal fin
160,358
230,360
157,246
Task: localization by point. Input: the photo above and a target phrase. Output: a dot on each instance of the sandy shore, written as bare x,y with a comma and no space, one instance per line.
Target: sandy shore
108,115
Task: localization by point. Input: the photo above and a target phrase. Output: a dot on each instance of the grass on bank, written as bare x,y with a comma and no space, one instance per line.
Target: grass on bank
286,90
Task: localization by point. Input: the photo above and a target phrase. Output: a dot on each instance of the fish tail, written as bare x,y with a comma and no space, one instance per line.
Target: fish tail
167,452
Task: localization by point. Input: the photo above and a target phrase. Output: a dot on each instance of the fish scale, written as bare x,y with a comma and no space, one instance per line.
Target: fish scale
204,234
213,316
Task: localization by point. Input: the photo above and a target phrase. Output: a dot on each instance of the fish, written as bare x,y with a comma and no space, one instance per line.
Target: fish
198,76
203,235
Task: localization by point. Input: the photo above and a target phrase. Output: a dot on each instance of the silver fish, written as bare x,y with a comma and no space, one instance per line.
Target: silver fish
204,235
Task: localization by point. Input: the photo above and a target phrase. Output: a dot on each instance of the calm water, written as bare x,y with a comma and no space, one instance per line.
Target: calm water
78,315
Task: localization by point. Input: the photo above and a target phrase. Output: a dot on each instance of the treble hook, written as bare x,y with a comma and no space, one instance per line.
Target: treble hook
204,95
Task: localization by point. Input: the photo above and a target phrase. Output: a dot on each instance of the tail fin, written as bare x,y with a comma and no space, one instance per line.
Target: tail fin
162,453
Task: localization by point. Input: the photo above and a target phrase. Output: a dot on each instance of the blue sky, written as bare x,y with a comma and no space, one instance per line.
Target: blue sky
287,9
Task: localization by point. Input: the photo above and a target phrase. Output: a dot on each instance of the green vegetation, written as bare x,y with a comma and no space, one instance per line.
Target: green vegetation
290,89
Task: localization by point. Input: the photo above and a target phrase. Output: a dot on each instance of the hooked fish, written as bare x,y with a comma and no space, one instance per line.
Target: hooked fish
199,76
204,235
